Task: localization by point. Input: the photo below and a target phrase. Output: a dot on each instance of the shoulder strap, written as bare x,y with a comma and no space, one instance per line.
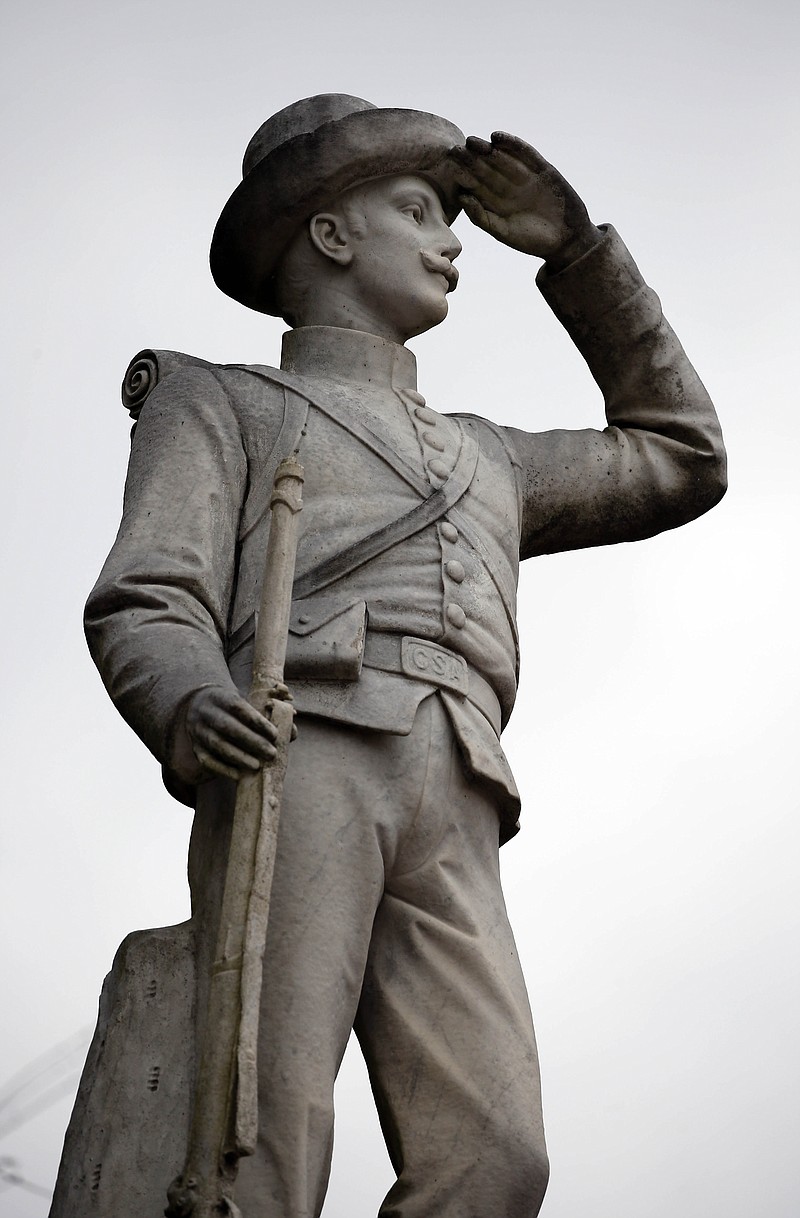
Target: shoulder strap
370,438
432,508
295,416
435,503
405,526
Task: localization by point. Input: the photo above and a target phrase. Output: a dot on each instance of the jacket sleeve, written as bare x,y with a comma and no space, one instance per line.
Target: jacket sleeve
157,617
660,462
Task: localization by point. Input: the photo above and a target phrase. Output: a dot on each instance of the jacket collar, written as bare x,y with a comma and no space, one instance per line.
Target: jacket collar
350,357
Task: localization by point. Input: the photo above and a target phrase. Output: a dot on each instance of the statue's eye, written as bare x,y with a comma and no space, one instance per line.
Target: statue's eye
415,212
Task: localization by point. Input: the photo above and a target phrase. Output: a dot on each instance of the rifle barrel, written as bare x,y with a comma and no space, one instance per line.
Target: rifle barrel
224,1119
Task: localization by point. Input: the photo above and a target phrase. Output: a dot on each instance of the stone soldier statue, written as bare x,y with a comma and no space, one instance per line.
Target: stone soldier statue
387,913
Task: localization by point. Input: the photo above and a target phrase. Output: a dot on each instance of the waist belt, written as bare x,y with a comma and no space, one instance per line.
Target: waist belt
437,665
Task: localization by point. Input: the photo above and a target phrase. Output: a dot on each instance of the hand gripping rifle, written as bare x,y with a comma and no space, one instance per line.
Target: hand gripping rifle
224,1121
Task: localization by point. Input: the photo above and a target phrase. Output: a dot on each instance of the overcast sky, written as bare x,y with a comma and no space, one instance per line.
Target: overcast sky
654,888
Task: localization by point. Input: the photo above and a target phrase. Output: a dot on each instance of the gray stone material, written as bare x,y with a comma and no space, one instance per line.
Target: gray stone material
129,1126
386,912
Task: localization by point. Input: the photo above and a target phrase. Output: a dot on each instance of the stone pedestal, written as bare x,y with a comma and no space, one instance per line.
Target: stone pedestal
127,1136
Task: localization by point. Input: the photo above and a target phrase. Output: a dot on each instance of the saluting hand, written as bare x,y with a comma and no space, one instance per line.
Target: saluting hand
519,198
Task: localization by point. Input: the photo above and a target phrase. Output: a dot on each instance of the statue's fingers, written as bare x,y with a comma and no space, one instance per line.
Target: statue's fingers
209,761
255,742
227,709
241,757
513,146
464,164
478,174
478,156
227,738
253,719
475,144
475,211
494,168
510,166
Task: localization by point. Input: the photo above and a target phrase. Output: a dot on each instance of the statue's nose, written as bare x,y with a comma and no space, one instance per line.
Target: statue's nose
453,247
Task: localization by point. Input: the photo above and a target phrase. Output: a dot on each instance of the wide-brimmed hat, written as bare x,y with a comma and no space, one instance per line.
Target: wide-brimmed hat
299,161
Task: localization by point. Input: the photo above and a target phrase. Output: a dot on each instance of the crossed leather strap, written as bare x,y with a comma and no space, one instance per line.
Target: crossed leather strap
435,503
145,371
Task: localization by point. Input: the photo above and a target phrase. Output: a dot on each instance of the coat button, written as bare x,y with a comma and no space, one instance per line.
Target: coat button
431,438
455,616
425,415
416,398
455,570
439,467
449,531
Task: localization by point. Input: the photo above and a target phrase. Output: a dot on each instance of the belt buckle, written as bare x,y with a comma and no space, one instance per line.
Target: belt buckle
430,662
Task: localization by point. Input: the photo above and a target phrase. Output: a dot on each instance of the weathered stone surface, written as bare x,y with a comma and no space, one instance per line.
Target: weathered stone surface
127,1136
386,910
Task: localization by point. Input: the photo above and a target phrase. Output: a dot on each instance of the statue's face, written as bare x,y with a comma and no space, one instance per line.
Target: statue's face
402,265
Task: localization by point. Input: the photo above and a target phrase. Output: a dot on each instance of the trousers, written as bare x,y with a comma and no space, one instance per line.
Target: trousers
387,915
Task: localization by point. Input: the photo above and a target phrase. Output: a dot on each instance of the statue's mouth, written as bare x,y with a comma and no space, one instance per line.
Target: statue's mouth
438,265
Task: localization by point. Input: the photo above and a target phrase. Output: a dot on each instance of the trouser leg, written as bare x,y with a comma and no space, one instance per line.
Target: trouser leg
445,1025
328,883
387,862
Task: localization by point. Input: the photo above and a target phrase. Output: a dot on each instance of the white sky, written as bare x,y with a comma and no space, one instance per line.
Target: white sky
654,888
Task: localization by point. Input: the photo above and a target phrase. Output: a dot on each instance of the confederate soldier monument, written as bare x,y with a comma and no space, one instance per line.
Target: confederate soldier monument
385,911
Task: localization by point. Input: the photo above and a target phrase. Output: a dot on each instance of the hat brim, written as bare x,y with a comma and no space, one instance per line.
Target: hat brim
307,173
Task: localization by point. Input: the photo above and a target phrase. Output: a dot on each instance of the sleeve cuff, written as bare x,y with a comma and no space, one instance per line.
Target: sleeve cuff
596,283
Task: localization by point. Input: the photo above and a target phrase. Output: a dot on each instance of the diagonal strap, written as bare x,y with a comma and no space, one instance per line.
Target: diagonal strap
383,449
432,508
295,414
378,444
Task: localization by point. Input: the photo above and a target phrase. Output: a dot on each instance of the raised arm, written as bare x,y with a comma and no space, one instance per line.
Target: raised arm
520,199
661,461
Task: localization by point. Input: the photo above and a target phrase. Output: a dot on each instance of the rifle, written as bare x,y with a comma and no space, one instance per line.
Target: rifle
224,1121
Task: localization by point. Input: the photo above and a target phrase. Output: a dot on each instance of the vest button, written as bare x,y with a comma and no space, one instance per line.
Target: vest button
415,397
455,616
425,415
438,467
449,531
455,570
433,440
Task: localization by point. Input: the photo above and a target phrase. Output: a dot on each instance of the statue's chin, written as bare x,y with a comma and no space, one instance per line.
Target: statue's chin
434,315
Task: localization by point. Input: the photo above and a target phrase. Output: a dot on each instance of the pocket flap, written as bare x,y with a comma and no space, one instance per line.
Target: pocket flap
308,616
329,644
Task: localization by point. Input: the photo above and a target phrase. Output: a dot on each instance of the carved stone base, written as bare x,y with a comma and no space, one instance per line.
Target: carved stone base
126,1140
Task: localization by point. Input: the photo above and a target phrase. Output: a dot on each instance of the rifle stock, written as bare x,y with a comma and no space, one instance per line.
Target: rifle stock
224,1120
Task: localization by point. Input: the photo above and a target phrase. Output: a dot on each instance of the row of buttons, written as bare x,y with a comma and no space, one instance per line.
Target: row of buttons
454,570
438,467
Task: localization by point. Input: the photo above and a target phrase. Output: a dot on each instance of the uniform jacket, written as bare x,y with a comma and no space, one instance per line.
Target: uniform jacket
173,608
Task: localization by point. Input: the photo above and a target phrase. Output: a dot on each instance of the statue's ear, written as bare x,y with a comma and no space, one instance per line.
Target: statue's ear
145,371
329,233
